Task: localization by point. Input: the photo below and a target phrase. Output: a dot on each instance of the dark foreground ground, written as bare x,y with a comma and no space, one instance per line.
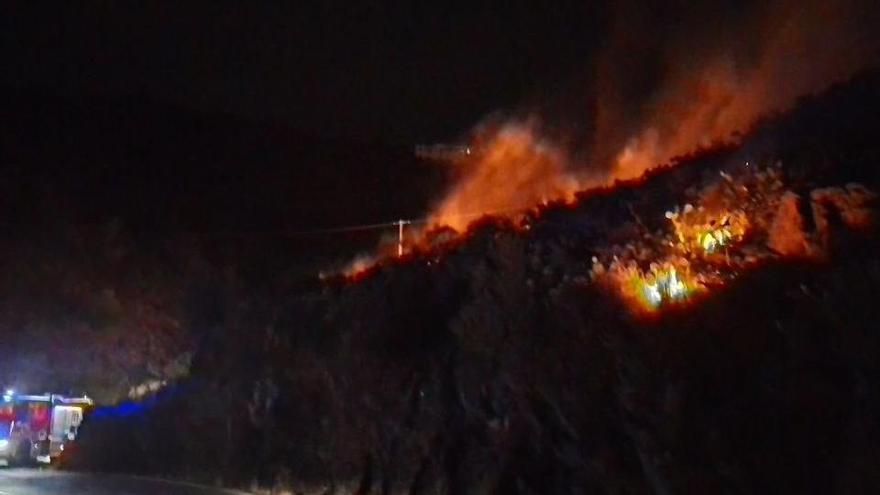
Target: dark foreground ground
20,481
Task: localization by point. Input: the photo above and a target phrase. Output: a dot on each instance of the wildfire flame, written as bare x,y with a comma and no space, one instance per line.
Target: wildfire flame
512,172
699,229
750,217
660,285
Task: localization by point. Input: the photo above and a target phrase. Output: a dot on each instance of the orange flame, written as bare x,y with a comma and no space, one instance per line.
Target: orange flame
784,50
749,216
661,285
707,231
511,172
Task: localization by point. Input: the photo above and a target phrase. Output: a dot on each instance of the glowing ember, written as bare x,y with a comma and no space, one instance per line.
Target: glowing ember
658,286
359,265
709,232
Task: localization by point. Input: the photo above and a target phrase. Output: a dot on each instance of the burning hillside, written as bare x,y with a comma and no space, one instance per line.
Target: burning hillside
659,275
747,216
621,342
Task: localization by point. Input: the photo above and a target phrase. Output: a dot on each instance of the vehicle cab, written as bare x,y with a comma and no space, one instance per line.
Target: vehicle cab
37,427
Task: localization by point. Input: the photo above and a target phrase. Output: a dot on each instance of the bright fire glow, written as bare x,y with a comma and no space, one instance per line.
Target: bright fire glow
512,172
707,231
686,262
656,287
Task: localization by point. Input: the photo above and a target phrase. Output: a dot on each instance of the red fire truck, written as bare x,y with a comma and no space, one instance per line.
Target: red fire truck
35,428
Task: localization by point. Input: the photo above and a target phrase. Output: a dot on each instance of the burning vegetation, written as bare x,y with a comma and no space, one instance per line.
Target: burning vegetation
745,218
660,284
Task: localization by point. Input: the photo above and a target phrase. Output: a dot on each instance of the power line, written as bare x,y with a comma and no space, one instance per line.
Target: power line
347,228
399,223
388,225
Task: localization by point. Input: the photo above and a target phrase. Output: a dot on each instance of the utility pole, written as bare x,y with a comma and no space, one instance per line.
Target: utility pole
400,223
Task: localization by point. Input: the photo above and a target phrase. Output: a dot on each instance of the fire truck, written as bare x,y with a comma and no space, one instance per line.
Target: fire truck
36,428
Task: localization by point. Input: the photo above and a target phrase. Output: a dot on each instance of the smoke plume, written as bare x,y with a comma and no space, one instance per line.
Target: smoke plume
712,73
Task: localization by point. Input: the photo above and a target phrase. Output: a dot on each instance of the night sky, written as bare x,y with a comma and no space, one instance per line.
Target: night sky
399,72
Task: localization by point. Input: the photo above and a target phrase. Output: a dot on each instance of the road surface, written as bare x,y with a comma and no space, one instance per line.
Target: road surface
20,481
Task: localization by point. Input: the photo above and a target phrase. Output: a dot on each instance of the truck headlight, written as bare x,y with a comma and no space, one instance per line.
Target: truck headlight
3,444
